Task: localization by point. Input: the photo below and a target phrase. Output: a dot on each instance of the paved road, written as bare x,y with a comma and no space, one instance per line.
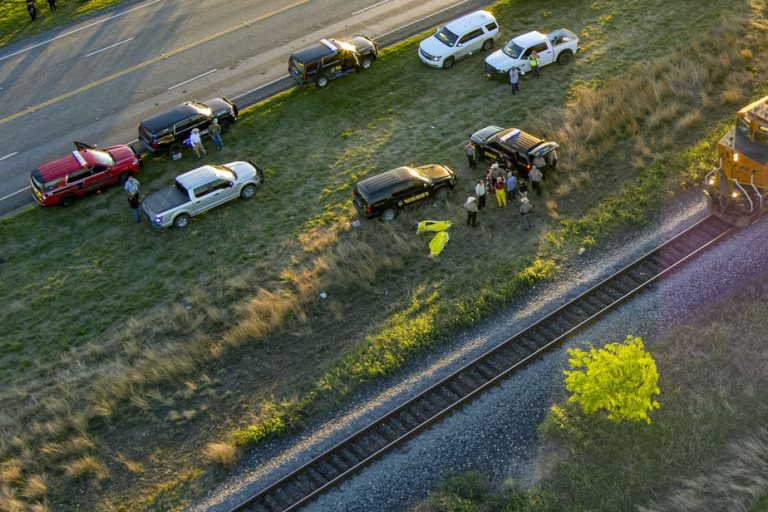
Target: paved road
93,81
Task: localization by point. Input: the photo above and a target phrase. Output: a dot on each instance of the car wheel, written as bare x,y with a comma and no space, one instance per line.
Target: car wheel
487,44
181,221
321,81
564,57
448,63
124,177
366,63
226,124
388,215
248,191
68,200
174,148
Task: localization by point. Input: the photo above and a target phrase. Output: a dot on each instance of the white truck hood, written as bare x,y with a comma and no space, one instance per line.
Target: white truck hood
500,61
244,170
434,47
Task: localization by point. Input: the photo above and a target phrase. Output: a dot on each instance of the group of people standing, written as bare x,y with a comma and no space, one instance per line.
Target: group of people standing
507,186
32,8
196,139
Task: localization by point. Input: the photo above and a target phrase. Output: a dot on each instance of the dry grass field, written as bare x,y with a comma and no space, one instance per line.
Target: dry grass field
136,365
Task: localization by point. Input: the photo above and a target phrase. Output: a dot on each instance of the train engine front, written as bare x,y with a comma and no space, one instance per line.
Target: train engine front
737,188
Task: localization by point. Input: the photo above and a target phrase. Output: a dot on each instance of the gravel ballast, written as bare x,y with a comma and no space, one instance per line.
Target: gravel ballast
496,434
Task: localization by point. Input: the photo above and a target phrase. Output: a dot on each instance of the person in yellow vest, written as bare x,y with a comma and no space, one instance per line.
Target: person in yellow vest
533,61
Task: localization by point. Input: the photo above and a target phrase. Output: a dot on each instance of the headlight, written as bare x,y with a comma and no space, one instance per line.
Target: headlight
435,59
500,71
158,219
711,181
735,157
734,194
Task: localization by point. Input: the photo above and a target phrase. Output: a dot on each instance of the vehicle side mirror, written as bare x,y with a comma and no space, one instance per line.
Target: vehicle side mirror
231,184
460,45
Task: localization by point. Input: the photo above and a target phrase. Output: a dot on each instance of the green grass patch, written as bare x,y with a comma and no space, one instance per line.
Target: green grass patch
162,341
15,23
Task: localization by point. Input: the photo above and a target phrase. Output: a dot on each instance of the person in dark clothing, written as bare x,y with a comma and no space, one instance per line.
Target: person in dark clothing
52,5
32,10
133,202
522,188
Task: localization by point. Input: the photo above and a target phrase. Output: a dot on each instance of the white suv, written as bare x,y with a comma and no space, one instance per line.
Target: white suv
458,39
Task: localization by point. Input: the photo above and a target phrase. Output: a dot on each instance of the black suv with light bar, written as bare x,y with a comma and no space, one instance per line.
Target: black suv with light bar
332,58
390,191
514,146
167,131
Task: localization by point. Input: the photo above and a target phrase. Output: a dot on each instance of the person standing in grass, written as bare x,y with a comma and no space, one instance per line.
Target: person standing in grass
197,142
511,184
535,176
480,192
471,207
32,10
133,202
525,211
471,150
52,5
522,187
514,79
214,130
533,61
132,186
501,195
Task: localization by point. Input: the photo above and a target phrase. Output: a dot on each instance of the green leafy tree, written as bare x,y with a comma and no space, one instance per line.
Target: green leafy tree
620,378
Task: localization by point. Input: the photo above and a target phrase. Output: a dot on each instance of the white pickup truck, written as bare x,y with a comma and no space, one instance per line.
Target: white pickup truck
559,45
199,190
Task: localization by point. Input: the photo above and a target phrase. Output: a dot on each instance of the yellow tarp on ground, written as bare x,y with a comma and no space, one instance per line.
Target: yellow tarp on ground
433,225
437,244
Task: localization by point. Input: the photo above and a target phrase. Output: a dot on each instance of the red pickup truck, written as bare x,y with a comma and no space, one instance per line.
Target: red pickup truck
81,172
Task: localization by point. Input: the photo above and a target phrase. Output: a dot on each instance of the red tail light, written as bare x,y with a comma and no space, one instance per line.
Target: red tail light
369,210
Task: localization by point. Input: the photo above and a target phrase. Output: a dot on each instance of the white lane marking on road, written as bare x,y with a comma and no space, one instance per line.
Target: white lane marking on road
110,46
65,34
17,192
193,78
260,87
9,156
422,18
370,7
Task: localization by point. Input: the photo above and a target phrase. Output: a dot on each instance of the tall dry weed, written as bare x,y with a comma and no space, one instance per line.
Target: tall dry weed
88,465
221,453
737,483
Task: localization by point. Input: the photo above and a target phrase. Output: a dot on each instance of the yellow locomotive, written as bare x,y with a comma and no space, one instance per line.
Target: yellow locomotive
738,186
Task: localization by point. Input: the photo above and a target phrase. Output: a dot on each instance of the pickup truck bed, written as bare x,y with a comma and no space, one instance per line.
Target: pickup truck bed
165,199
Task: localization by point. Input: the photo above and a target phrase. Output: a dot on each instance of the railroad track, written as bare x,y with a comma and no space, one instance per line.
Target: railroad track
356,451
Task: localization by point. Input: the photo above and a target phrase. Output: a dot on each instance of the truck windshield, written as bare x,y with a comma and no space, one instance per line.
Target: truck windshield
513,50
102,157
446,37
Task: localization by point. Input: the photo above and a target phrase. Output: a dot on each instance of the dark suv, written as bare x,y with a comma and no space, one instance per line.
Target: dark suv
390,191
332,58
168,130
514,147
